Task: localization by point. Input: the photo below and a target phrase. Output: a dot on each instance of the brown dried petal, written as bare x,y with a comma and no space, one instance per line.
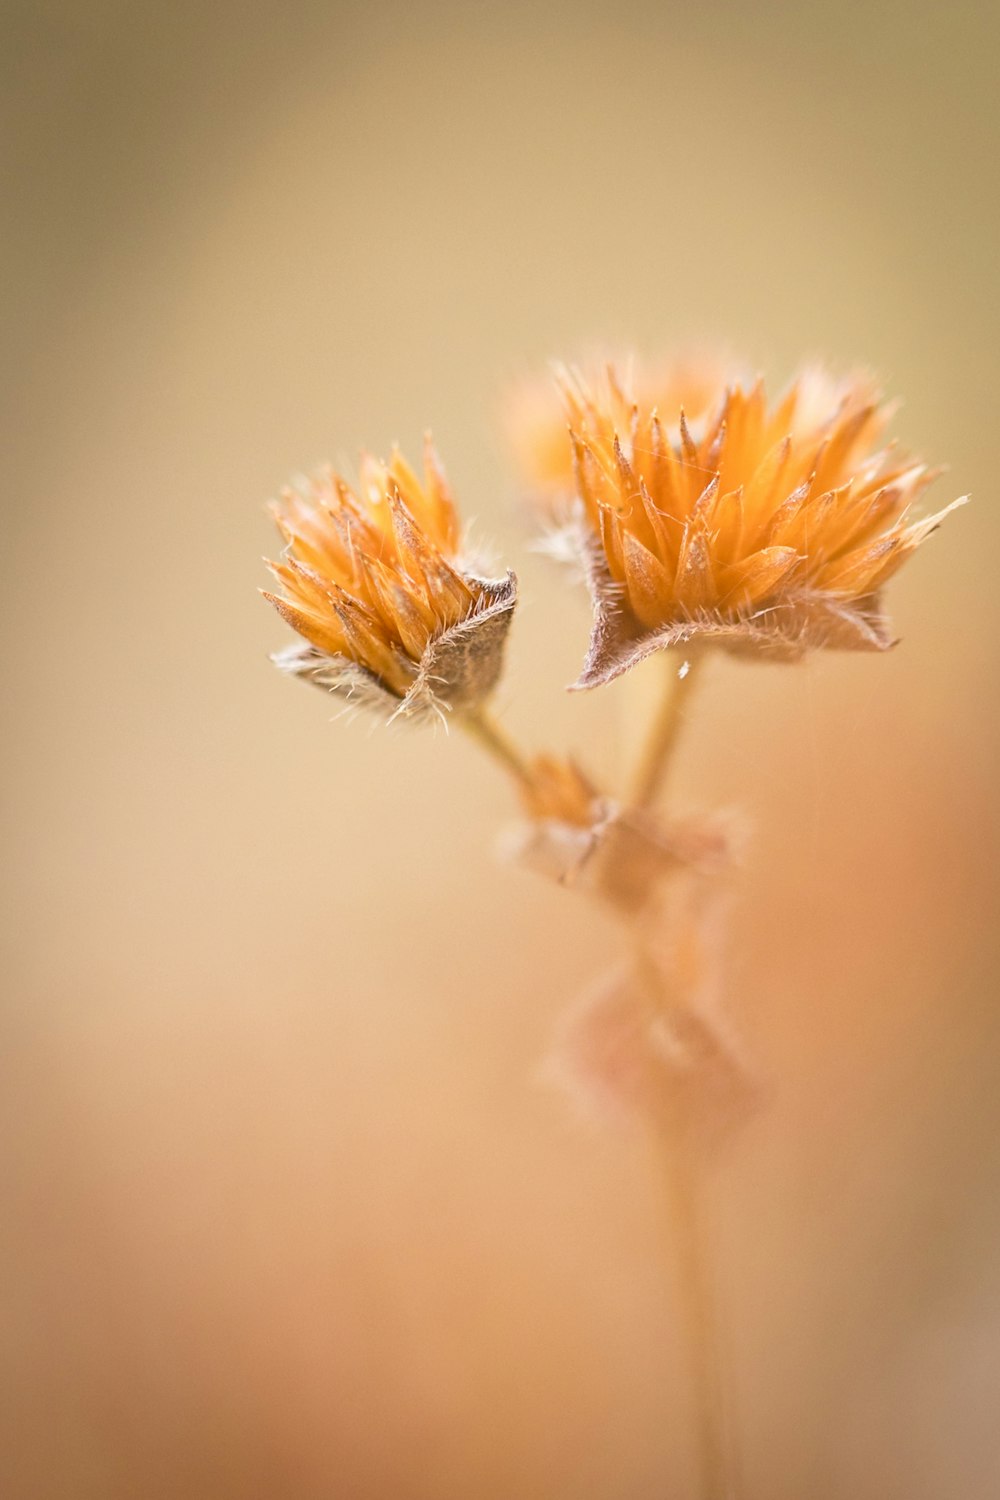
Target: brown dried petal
338,674
462,667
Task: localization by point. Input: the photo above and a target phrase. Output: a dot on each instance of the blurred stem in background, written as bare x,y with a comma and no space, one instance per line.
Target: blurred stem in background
677,1140
654,762
696,1281
676,1123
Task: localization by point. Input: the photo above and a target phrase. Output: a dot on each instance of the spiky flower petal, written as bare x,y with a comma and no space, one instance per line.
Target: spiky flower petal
373,583
536,416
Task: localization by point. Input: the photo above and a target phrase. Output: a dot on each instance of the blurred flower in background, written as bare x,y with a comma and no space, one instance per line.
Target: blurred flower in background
537,410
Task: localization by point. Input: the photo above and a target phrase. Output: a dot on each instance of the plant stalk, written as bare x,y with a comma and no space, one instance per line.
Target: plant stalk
685,1182
657,753
494,739
697,1295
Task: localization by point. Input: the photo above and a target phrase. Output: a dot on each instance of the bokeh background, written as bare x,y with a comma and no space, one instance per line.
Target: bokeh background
286,1210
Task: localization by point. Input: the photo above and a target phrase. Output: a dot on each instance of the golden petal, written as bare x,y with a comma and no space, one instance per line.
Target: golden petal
371,649
321,631
749,435
382,582
663,477
611,540
694,582
786,521
417,556
665,530
860,518
449,594
309,589
409,623
406,481
851,576
389,580
717,430
631,507
727,525
759,520
593,483
704,506
715,447
647,583
748,583
909,540
853,430
763,488
689,448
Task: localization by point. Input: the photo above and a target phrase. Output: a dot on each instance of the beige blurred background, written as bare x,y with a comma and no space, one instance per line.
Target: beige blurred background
286,1212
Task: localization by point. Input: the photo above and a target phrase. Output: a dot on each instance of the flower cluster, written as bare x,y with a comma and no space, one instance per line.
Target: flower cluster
703,514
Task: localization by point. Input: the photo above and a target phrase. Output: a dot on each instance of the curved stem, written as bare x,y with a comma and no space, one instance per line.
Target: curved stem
663,733
495,740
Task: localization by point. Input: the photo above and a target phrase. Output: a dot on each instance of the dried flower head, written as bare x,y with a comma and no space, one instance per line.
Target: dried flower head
536,416
765,527
374,584
651,1040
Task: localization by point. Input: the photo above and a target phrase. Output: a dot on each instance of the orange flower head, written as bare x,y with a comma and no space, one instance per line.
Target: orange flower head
373,583
767,527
